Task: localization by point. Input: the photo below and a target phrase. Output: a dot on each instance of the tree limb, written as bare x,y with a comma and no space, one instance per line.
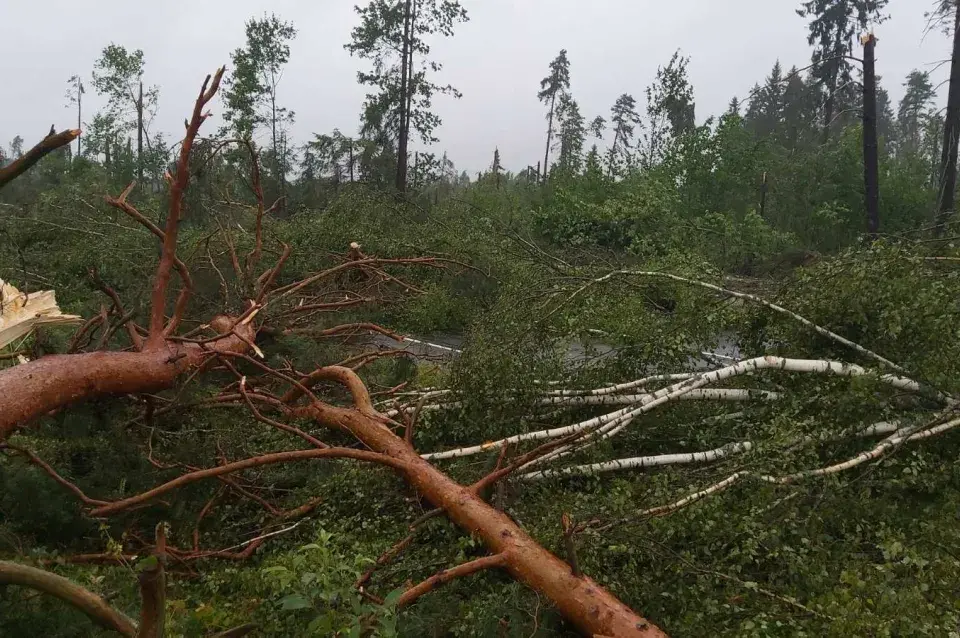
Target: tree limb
47,145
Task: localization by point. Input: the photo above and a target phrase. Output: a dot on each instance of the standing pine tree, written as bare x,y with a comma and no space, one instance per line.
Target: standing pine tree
571,136
834,25
765,115
251,89
670,107
733,107
392,35
552,88
496,167
625,120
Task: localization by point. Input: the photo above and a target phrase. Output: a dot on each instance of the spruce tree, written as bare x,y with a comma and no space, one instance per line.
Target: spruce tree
552,89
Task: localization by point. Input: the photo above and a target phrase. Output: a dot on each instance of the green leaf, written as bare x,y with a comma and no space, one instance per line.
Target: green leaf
321,626
294,601
392,598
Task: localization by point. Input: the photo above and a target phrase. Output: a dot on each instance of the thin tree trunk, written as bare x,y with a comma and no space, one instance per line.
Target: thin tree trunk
277,171
871,161
140,135
763,195
351,161
546,154
416,167
951,135
402,138
79,115
282,171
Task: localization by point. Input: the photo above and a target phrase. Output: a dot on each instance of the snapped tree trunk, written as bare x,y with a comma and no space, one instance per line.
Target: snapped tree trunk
951,136
871,161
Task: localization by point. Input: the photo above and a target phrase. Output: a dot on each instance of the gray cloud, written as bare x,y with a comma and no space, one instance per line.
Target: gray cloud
497,59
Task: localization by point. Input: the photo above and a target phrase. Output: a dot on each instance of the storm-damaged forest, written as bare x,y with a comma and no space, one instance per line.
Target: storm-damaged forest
680,373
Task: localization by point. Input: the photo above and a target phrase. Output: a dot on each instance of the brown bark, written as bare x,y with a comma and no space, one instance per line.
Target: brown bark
153,589
581,600
33,389
47,145
178,186
447,575
237,466
82,599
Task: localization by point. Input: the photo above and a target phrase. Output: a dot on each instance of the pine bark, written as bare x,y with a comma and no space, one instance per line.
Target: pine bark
582,601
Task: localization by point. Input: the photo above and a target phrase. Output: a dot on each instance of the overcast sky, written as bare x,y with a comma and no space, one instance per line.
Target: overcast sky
497,59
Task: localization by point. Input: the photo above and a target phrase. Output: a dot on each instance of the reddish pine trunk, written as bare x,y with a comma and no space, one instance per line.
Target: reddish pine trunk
582,601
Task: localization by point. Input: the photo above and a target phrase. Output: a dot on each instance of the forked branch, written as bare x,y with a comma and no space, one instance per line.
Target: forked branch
178,185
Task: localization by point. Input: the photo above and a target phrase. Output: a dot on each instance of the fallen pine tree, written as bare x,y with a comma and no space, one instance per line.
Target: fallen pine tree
159,357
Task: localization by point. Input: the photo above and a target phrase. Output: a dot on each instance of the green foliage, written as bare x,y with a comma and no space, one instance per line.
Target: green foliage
307,591
251,88
385,30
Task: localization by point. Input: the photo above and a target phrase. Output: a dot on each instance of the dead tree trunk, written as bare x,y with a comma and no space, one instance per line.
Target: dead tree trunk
871,160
